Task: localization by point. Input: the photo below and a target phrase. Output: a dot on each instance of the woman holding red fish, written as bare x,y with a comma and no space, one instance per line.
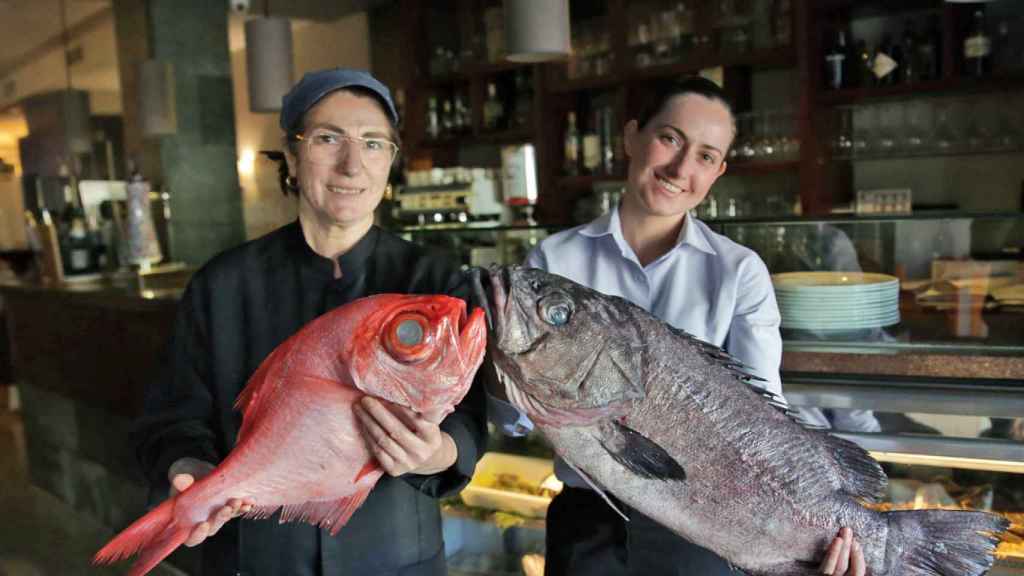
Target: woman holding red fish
341,143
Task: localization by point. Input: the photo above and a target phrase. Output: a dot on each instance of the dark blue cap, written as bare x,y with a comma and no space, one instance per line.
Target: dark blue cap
316,85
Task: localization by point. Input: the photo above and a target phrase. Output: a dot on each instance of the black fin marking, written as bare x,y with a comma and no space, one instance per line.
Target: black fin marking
642,456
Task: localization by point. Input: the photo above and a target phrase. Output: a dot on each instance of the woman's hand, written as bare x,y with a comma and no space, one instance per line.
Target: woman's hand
183,474
845,556
402,440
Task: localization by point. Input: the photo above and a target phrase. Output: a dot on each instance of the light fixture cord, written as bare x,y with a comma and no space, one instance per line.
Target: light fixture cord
64,42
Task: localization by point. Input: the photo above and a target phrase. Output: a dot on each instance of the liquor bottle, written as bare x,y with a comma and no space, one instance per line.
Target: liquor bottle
929,51
571,149
433,122
1004,57
77,248
592,146
447,118
607,141
835,63
978,48
524,100
494,110
462,120
864,65
909,72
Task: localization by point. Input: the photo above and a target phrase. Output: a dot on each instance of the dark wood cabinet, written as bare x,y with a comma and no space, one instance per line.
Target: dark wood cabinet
623,50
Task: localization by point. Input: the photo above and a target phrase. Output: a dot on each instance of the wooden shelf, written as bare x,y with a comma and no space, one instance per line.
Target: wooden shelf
513,136
784,57
949,86
746,168
588,180
470,71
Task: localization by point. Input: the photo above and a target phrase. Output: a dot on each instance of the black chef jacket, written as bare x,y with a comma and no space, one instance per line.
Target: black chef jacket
235,311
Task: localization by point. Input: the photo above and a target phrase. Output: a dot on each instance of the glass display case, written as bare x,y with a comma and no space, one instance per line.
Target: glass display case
901,333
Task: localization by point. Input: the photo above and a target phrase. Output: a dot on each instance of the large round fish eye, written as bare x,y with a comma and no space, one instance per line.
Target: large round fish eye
557,314
407,337
409,332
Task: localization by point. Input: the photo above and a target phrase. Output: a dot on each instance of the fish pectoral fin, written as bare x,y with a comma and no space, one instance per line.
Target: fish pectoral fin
639,454
597,489
328,514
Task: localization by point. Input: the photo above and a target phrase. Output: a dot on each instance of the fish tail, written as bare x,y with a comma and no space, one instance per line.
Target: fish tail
153,537
942,542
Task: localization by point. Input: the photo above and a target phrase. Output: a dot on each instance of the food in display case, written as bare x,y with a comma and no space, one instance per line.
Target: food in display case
511,483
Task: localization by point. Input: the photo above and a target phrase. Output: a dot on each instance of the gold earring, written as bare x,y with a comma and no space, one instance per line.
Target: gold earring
387,192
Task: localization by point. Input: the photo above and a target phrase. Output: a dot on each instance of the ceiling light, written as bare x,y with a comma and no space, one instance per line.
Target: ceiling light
537,30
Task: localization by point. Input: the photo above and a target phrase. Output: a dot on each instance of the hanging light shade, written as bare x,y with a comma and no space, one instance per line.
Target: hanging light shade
157,109
537,30
268,57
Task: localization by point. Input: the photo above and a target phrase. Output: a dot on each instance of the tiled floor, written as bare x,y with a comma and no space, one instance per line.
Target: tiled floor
39,534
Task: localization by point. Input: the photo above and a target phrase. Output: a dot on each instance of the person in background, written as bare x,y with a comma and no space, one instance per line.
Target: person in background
341,139
651,251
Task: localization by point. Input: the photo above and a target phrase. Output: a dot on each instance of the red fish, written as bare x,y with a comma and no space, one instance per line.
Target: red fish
300,449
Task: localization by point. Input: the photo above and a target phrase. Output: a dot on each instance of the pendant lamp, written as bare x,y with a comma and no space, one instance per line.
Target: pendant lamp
77,116
157,113
268,58
537,30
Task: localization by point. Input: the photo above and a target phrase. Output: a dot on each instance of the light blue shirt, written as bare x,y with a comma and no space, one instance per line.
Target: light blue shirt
707,285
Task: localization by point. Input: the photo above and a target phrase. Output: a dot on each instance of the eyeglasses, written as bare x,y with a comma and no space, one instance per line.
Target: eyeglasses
326,147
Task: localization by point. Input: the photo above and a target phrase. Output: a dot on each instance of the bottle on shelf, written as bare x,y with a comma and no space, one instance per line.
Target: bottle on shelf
77,247
607,140
433,127
929,51
571,147
836,64
864,65
592,146
978,48
461,113
447,118
524,100
909,72
494,110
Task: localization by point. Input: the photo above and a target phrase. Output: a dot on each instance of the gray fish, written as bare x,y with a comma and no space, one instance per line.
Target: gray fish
673,427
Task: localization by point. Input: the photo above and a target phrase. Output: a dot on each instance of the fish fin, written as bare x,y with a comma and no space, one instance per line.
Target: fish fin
743,373
597,489
930,542
639,454
153,537
368,468
861,476
327,514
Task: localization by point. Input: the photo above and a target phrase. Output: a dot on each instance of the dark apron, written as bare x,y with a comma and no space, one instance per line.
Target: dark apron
585,537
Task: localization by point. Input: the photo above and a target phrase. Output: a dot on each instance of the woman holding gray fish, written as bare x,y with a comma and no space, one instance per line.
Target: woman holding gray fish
650,252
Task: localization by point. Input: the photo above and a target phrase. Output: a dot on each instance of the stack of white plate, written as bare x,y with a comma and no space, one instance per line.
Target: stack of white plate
837,300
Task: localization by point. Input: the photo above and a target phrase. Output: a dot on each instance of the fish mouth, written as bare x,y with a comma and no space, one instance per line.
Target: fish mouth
493,301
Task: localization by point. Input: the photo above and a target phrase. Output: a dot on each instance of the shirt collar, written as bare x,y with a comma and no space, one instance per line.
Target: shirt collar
354,259
609,223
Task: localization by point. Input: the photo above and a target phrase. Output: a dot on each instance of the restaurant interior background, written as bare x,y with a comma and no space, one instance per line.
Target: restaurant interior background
878,170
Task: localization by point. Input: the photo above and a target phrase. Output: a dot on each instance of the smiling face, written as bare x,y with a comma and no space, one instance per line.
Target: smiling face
343,194
677,155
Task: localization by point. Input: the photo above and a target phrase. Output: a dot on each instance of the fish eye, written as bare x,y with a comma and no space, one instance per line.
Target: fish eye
557,314
409,332
407,339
